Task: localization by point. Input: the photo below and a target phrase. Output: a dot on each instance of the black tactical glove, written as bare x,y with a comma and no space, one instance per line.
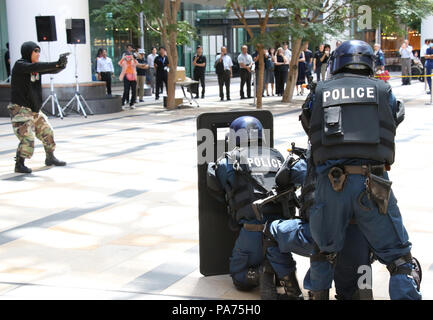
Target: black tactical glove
62,62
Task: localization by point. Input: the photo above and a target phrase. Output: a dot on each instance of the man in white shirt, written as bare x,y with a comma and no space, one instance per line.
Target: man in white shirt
105,70
406,61
226,72
287,52
150,60
245,63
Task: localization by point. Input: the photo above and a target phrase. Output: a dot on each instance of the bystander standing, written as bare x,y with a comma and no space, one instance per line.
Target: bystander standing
245,64
129,78
161,64
105,70
406,62
151,72
199,62
142,68
224,68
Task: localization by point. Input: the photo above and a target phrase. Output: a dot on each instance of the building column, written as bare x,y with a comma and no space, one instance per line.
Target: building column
426,29
22,27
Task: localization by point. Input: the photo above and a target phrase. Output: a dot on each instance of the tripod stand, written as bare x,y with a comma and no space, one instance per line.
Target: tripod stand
52,96
77,96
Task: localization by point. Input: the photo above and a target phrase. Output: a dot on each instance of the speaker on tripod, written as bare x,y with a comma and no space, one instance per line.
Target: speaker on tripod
76,34
46,31
75,31
46,28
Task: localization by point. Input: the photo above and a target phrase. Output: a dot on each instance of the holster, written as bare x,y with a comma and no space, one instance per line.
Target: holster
337,176
379,190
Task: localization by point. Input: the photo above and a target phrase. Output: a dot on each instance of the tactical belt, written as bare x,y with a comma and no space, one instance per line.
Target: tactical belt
364,170
254,227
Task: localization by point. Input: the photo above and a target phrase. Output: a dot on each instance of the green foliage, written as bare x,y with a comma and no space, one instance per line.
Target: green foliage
303,18
125,15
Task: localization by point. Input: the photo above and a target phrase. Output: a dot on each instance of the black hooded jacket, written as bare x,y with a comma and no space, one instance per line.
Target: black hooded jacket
26,89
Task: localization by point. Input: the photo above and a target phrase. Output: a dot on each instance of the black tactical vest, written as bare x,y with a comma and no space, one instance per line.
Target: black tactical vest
352,119
255,170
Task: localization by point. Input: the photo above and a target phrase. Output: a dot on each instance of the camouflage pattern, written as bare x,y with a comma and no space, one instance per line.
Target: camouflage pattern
26,124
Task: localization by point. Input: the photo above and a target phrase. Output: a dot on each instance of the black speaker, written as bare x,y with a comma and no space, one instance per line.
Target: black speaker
76,31
46,28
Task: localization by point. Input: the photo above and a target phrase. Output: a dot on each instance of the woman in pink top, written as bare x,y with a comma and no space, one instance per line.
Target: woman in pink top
129,77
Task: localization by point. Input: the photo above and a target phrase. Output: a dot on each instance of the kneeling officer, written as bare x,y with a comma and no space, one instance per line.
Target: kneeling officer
244,175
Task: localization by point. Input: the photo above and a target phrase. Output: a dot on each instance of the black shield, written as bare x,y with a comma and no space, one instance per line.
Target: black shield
216,239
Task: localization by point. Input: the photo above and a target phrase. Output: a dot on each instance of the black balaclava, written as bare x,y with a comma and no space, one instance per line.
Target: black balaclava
27,50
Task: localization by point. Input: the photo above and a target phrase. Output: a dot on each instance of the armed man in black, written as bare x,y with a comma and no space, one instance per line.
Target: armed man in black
26,101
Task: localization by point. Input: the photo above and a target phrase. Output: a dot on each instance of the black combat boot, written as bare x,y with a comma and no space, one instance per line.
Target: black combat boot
291,287
51,160
268,281
19,165
319,295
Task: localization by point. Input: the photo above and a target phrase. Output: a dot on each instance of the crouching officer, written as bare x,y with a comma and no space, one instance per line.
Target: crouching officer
351,123
246,174
294,236
27,118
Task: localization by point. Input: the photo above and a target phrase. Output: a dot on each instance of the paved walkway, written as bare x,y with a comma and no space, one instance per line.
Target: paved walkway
120,221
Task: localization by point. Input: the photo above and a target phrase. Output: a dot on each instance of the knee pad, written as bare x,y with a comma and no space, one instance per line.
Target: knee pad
399,266
324,256
250,282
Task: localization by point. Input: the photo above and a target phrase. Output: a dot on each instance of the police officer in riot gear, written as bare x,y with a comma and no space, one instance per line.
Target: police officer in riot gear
246,174
351,122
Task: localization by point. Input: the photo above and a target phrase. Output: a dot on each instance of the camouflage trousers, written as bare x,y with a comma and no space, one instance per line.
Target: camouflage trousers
26,125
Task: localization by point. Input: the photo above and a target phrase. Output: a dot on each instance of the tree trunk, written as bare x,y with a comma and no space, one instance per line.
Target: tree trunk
169,37
260,79
171,81
293,72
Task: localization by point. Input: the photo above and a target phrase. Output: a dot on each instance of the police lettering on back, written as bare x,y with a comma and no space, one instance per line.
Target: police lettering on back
257,162
349,95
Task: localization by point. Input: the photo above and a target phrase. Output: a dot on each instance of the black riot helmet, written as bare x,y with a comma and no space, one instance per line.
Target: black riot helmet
246,129
353,56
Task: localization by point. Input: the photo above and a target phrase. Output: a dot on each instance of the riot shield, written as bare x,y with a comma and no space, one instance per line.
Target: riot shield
216,239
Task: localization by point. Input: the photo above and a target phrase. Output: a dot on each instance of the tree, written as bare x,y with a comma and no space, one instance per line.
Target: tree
308,17
264,9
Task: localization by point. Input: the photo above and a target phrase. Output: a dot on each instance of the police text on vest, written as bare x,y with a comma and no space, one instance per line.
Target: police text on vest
349,93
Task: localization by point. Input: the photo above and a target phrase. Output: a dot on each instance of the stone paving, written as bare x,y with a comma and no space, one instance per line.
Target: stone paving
121,221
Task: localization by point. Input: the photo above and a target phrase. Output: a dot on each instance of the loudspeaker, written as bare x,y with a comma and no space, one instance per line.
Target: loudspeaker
76,31
46,28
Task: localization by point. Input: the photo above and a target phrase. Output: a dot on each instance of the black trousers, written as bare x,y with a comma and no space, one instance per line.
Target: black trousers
106,76
161,78
127,86
199,76
280,81
224,79
245,78
318,73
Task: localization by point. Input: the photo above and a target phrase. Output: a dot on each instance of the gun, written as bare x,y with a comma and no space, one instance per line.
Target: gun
259,204
300,152
64,54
